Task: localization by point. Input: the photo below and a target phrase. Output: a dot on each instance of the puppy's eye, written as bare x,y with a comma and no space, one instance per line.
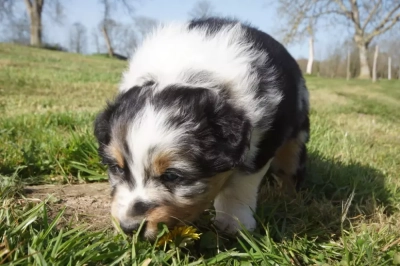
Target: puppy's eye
116,169
169,177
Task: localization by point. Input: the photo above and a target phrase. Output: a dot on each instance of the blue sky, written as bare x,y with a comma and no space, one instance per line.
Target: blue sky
257,12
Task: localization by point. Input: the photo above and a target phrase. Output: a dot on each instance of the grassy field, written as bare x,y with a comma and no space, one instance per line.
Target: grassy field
348,212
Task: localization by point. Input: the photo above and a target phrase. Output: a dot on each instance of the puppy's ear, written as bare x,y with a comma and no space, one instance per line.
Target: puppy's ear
124,105
102,127
224,133
231,130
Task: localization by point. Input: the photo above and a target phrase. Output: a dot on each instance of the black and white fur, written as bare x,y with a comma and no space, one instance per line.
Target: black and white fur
203,111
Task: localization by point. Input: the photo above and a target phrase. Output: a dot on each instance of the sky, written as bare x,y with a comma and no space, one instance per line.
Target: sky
257,12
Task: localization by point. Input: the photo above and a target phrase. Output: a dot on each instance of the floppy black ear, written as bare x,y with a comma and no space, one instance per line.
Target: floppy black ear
223,133
124,105
232,131
102,128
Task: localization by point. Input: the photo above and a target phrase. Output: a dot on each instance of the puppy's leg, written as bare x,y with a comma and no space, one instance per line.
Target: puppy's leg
237,200
288,166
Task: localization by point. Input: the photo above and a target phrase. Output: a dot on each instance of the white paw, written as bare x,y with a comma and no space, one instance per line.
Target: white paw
232,223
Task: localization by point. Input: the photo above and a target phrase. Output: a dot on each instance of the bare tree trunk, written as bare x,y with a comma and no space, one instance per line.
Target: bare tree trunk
365,72
310,55
398,74
108,41
35,14
36,29
348,74
389,68
375,63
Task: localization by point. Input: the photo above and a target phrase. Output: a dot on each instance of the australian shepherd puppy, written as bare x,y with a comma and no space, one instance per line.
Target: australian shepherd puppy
203,111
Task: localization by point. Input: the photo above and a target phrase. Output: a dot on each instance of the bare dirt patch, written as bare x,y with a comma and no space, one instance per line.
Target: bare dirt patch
84,203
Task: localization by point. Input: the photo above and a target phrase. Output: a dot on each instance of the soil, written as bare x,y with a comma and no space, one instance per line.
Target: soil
85,204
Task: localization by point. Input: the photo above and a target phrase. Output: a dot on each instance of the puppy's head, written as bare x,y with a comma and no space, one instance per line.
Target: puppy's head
168,153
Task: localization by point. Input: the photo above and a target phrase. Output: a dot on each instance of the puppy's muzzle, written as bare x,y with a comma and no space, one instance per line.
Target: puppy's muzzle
129,227
135,216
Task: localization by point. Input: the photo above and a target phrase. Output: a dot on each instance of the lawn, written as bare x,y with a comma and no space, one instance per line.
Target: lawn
347,213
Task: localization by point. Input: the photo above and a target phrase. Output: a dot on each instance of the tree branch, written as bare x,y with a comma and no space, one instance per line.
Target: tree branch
381,27
355,14
39,5
326,12
28,4
128,7
387,18
55,10
310,28
6,10
106,14
343,8
371,15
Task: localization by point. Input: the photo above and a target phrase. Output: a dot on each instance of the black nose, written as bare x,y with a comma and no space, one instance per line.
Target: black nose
128,228
140,208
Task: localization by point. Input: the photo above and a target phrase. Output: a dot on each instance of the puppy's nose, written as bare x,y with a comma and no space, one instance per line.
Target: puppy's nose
140,208
128,228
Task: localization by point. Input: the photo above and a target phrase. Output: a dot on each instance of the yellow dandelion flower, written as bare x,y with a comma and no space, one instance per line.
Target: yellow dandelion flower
179,234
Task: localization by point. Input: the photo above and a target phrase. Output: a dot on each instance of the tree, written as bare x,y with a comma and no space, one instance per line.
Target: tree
301,25
374,70
6,9
122,38
127,40
335,64
367,19
202,9
348,64
78,38
390,45
109,6
144,25
34,10
16,30
341,60
310,62
105,25
96,40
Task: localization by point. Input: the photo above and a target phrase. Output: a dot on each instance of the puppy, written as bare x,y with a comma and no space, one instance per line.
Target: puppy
203,111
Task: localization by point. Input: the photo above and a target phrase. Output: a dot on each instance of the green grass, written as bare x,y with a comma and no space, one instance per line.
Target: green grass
348,212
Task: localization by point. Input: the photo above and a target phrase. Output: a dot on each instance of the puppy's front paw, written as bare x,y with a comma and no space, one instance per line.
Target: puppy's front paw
232,223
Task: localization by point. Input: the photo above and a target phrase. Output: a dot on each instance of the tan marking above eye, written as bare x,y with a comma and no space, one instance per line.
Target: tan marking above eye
116,153
161,163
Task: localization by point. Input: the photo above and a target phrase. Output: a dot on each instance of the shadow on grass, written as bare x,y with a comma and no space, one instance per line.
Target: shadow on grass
319,210
318,213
